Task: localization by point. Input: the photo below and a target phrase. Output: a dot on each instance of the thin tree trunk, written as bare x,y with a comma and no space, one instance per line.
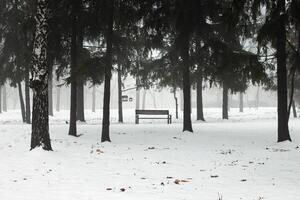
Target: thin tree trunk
39,81
50,89
187,123
73,105
22,105
176,102
4,99
200,115
27,98
144,99
57,99
108,67
241,105
120,103
80,101
294,109
225,102
137,98
94,99
0,98
283,130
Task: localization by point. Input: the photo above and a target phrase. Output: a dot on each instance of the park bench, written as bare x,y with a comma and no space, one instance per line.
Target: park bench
152,113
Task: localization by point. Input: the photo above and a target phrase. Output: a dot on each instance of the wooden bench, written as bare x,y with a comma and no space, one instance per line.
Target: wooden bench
152,112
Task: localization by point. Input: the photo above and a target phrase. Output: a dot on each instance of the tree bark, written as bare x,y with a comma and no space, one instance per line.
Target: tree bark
137,96
187,123
241,105
94,99
57,99
200,115
283,130
108,67
27,98
80,101
50,89
225,102
73,105
4,99
176,102
39,81
22,105
294,109
120,103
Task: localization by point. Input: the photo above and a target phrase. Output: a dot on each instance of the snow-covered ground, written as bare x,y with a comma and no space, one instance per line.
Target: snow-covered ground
228,160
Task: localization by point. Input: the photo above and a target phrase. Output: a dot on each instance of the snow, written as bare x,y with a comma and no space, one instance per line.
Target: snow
223,159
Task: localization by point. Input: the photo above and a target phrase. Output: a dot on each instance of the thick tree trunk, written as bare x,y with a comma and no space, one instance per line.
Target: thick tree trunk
200,115
108,67
50,89
27,98
22,105
241,105
39,81
225,102
57,99
187,123
4,99
283,130
144,99
176,102
94,99
120,104
73,105
80,101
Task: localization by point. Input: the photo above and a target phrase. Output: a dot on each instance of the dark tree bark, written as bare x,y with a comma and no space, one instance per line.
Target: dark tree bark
80,101
57,99
200,115
50,89
176,102
283,130
4,99
94,99
137,96
108,67
27,98
73,105
120,103
225,102
294,109
39,81
187,122
22,105
241,105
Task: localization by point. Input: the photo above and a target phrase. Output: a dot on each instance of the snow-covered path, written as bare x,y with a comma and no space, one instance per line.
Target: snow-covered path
229,160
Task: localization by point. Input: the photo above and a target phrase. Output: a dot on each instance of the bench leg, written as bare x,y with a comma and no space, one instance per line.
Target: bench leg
170,119
136,119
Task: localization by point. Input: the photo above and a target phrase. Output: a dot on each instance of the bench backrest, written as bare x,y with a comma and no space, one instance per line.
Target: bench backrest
151,112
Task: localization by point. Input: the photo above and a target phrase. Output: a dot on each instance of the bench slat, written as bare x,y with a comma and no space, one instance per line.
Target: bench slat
152,112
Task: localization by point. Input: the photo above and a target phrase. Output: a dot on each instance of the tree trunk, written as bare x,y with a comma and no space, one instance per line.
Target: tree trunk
137,98
120,107
39,81
50,89
22,105
27,98
200,115
187,123
0,98
57,99
94,99
225,102
294,109
4,99
108,67
241,106
73,105
80,101
176,102
283,130
144,99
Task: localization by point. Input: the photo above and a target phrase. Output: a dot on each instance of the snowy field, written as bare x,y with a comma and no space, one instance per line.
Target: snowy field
229,160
